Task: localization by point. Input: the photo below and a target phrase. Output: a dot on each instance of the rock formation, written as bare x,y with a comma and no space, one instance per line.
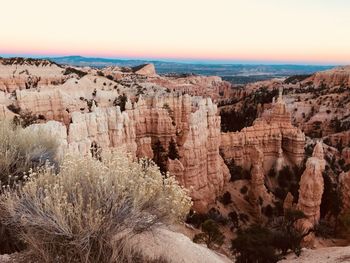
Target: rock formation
146,70
339,76
51,104
193,122
19,73
202,170
288,202
311,188
273,133
258,192
108,128
344,179
166,244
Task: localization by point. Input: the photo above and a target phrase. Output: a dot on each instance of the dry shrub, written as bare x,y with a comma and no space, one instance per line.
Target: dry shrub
88,211
22,150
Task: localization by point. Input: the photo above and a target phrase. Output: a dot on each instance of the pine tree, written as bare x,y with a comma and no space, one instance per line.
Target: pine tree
210,235
159,156
172,150
121,101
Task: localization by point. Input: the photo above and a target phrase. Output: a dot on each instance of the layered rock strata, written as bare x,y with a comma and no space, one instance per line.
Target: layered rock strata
280,142
19,73
311,188
344,180
258,192
193,123
202,169
339,76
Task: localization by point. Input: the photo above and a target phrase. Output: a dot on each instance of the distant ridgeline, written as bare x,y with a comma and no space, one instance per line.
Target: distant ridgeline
235,73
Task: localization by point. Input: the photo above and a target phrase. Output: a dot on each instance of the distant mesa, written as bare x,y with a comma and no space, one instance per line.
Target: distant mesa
339,76
145,69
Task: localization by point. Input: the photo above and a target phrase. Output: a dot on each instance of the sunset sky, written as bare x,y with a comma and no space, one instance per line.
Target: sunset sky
256,31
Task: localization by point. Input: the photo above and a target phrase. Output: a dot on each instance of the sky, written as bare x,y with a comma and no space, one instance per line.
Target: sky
270,31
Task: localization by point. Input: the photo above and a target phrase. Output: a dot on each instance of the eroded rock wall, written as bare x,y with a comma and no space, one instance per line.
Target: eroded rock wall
193,124
273,133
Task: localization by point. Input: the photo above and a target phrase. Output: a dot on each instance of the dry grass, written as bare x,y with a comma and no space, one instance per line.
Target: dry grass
22,150
90,209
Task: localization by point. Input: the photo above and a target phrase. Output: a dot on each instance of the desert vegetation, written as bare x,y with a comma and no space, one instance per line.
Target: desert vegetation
70,70
121,101
269,243
247,111
22,150
89,210
83,209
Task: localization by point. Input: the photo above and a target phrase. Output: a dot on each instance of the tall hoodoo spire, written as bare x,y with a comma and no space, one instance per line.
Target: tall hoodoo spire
280,94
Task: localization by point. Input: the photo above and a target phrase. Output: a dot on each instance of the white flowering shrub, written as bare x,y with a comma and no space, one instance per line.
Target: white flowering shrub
20,150
87,211
23,149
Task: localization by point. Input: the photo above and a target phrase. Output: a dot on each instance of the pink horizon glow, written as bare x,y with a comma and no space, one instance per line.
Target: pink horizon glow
273,58
299,31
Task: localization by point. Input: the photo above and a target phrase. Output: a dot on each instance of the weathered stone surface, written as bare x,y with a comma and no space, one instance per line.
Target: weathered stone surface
144,148
346,155
344,179
174,247
204,170
334,77
281,142
108,128
194,124
258,192
25,73
311,188
146,70
52,104
206,86
288,202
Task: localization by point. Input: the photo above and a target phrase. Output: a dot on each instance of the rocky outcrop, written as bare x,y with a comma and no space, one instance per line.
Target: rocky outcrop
206,86
158,245
344,180
346,155
339,139
280,142
144,148
108,128
51,104
339,76
174,247
193,122
19,73
320,255
311,188
258,192
203,171
152,118
288,203
146,70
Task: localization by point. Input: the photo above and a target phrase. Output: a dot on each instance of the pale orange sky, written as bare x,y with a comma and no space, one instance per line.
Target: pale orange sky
293,31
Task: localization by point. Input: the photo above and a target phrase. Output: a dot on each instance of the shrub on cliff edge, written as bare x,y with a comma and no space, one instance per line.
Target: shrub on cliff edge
22,150
87,212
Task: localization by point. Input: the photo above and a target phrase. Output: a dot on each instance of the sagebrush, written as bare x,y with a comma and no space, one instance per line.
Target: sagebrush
22,150
88,211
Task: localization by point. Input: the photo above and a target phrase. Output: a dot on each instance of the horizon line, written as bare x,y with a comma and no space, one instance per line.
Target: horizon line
209,61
